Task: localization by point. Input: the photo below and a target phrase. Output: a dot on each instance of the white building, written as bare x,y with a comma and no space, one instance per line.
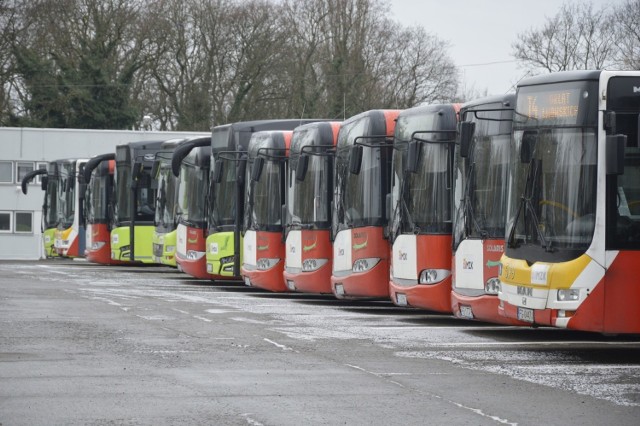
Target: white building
25,149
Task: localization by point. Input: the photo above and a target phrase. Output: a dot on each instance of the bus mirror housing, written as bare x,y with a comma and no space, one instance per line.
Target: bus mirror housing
256,169
529,140
44,182
615,154
217,171
83,190
413,156
355,159
466,131
301,169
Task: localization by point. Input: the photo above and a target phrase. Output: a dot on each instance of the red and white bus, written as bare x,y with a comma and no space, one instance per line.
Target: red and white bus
573,223
483,153
360,216
309,254
264,246
422,212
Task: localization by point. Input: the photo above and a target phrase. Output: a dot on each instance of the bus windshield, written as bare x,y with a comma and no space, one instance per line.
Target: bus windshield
481,190
192,189
309,201
50,213
97,197
166,195
266,197
223,195
552,199
67,195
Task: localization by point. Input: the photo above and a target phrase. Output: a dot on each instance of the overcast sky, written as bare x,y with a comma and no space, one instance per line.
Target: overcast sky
481,33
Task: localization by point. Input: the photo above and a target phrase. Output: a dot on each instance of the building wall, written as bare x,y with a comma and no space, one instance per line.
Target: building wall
27,146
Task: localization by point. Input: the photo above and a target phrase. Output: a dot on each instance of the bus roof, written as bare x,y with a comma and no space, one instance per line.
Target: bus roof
561,77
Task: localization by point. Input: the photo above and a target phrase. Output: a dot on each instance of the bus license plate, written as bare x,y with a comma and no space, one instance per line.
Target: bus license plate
247,281
401,299
525,314
466,312
339,290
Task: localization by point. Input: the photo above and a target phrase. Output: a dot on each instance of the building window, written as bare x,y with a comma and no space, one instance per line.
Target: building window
40,166
22,169
24,222
5,221
6,172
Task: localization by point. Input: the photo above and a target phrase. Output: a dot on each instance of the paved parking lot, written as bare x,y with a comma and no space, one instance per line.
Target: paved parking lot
86,344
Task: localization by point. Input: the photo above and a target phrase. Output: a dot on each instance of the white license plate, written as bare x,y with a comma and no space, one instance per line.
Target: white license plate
247,281
339,289
466,312
401,299
291,285
525,314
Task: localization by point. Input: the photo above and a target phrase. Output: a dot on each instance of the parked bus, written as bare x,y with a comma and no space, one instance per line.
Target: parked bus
49,184
98,202
421,199
225,217
190,164
483,153
573,222
264,248
166,217
134,204
70,234
309,255
359,224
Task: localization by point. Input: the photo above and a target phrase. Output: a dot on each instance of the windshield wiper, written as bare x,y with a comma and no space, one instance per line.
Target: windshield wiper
525,202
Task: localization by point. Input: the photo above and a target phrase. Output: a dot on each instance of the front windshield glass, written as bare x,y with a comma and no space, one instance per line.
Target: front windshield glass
481,179
67,194
223,194
96,197
359,198
309,202
166,195
425,202
552,197
122,206
51,203
266,196
192,194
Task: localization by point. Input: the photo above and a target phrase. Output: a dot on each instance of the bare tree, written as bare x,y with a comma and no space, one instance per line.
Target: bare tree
577,37
627,20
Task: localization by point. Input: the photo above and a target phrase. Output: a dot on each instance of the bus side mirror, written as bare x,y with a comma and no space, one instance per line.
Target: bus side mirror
256,169
466,131
301,169
217,171
529,140
413,157
615,154
44,182
355,159
137,170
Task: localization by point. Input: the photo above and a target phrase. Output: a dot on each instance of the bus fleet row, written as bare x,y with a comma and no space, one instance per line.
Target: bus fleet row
518,209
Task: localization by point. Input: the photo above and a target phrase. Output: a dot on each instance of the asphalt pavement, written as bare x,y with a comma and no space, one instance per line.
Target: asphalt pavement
84,344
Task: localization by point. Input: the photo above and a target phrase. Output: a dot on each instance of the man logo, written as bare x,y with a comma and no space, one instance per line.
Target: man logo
636,89
467,264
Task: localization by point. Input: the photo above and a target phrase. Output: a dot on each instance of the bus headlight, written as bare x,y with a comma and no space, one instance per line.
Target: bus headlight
97,245
568,295
228,259
310,265
363,265
492,286
433,276
170,249
194,255
266,263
